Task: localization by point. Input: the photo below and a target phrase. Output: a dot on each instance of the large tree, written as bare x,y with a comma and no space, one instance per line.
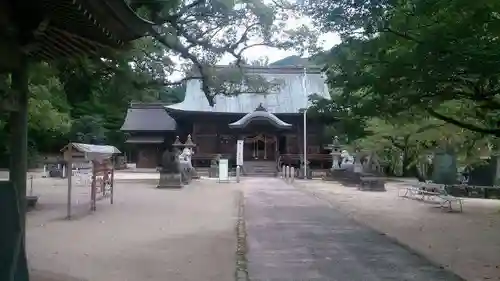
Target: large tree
201,32
189,39
437,57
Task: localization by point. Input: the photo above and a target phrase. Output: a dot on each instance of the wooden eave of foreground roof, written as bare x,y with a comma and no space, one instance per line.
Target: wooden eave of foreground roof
52,29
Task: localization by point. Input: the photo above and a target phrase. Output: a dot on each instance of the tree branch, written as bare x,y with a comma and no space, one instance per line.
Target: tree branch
433,113
184,53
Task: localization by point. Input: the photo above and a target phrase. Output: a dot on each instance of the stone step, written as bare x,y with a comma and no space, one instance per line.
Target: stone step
271,175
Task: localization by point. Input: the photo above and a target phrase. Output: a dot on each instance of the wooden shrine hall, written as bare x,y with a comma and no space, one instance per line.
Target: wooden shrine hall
270,124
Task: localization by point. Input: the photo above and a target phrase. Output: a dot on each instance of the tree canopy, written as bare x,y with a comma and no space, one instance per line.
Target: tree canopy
411,76
433,57
86,99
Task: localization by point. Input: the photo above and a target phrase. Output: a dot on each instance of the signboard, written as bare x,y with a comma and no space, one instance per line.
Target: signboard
239,153
223,170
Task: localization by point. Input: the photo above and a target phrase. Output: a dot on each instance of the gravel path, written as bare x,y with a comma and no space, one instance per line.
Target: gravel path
466,243
148,234
292,235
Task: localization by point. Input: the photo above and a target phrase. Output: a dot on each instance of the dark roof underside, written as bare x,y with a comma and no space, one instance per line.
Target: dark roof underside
72,28
259,115
148,119
145,139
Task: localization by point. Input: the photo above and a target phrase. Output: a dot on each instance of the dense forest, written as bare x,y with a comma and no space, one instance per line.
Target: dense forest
408,77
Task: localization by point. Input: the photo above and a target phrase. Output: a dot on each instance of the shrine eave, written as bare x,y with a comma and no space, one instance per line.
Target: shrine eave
260,116
52,29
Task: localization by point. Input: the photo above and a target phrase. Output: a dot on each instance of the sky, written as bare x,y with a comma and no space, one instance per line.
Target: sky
327,41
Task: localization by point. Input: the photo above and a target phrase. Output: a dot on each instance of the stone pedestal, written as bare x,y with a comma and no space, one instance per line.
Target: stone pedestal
170,180
213,171
345,177
185,175
372,183
335,162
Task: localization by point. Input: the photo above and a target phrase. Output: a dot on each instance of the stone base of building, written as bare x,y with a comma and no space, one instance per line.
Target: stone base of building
170,180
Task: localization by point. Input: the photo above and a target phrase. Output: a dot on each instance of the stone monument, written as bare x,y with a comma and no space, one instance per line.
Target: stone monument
444,165
213,171
372,177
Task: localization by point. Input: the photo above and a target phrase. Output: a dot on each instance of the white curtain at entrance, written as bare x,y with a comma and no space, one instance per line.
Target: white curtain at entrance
255,143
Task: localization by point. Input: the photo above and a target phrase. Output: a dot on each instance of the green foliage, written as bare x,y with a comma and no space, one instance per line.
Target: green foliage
86,99
340,120
203,32
433,57
416,75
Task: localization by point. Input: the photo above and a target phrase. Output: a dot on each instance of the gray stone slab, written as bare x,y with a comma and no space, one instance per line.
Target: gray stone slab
292,235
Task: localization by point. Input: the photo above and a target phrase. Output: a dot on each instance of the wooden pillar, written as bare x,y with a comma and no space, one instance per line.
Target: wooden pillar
93,186
300,139
18,121
69,175
112,180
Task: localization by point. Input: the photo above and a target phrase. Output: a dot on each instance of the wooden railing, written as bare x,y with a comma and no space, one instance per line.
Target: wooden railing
210,156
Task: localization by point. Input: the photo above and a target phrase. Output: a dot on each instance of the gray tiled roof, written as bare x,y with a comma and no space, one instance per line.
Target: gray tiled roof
290,98
148,117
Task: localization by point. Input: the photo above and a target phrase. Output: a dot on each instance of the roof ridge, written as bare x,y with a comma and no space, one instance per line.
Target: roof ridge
292,69
137,105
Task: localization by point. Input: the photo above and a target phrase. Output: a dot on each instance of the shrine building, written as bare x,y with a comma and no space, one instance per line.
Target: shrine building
270,124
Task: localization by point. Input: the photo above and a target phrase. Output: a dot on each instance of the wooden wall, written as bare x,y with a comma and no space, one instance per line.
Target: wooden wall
213,136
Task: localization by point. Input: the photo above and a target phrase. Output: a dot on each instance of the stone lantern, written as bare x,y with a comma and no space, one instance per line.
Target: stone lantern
177,145
358,166
336,151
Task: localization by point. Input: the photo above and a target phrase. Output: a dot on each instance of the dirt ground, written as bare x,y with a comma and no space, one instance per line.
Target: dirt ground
467,243
147,234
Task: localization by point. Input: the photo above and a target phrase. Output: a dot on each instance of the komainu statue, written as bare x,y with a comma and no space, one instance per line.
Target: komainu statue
170,172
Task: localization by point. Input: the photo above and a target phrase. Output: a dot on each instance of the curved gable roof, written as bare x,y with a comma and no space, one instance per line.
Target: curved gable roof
260,114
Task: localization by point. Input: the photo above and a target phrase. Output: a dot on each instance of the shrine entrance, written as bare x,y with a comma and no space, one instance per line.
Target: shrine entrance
260,147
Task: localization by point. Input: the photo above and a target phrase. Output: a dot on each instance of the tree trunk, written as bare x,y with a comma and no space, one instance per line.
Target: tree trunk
407,160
